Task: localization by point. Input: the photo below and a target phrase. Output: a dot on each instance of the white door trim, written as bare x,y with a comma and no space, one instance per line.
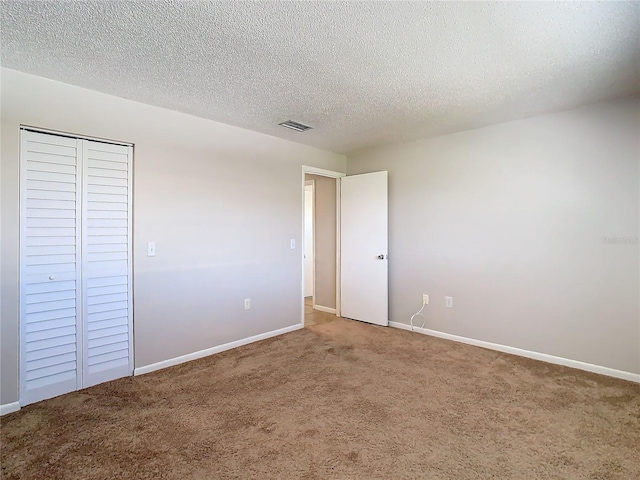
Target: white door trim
331,174
73,135
322,172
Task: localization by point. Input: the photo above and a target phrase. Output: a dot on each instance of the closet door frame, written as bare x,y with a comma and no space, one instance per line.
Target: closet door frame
24,396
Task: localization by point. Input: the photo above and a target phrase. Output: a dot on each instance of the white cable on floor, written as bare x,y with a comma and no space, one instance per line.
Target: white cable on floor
419,313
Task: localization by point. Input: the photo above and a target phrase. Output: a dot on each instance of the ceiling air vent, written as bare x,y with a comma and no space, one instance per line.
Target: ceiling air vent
298,127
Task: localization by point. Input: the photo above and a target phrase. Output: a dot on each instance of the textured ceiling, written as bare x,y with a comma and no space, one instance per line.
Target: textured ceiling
361,73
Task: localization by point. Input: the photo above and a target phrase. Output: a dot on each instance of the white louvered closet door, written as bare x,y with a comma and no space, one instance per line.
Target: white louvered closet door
75,264
50,300
106,262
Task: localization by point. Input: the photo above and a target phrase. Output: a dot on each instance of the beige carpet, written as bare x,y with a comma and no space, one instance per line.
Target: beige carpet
341,400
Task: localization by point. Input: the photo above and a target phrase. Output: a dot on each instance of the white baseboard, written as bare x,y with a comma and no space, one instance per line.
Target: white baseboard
210,351
320,308
9,408
610,372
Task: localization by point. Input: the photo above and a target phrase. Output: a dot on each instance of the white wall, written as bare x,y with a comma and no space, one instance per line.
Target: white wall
510,221
220,202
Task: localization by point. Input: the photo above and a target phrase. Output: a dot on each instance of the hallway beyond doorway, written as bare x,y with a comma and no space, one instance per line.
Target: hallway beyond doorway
315,317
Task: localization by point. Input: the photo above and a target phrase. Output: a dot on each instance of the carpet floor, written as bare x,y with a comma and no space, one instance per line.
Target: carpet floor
341,400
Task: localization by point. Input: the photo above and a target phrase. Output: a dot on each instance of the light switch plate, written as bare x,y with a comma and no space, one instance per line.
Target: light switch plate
293,244
151,249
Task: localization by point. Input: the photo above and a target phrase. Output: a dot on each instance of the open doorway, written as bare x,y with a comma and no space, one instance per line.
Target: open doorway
352,273
320,246
309,260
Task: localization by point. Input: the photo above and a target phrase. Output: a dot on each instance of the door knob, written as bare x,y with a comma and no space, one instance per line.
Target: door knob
51,277
381,257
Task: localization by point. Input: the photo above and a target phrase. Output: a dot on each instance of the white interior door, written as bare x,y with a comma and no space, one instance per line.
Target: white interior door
364,244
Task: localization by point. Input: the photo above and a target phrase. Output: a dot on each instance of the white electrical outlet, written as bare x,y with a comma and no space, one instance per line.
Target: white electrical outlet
448,302
247,303
425,299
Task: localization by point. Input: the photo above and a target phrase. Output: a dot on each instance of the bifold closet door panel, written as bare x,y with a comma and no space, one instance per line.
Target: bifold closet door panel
107,262
50,296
